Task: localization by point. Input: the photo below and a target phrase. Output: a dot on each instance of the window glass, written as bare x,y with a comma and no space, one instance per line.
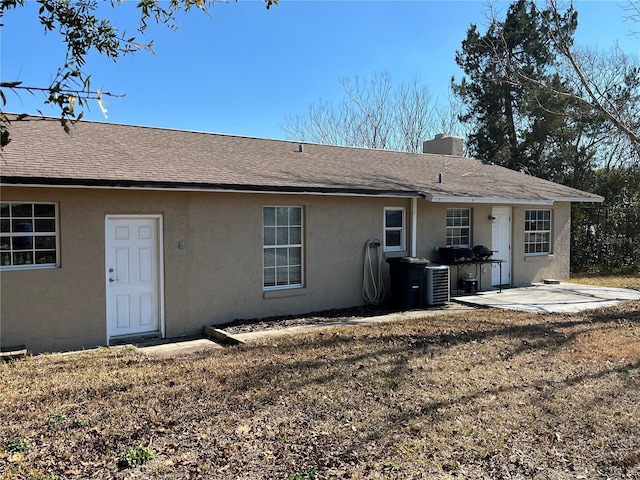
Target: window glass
393,218
394,229
29,235
269,217
537,234
21,210
459,227
282,247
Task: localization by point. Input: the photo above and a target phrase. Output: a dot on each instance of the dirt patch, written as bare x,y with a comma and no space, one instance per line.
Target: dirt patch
485,394
324,316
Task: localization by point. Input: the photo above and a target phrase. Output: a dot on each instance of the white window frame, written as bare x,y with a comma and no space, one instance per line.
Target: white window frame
394,228
29,256
275,245
537,232
455,219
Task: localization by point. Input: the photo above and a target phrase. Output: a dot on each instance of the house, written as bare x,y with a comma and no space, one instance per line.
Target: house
114,231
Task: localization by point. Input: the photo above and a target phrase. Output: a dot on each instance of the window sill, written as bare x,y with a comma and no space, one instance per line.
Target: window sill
22,268
286,292
538,258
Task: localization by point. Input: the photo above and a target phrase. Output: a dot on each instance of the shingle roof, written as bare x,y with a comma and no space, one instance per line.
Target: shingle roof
106,154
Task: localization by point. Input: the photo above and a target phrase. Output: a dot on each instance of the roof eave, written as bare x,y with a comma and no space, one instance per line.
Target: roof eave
594,199
200,187
509,201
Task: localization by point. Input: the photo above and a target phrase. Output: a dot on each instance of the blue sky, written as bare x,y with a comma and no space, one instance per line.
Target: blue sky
244,69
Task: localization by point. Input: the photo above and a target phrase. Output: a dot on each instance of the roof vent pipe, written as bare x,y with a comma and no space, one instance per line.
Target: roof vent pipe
301,148
440,178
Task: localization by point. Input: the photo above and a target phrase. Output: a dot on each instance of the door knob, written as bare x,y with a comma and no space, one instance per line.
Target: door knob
113,279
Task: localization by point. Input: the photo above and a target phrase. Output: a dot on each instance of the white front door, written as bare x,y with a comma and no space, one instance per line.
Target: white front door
501,245
133,275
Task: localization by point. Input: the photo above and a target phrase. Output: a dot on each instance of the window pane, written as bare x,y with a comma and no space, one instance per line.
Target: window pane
22,210
283,235
45,225
45,242
295,216
22,243
22,258
295,256
393,218
46,257
269,277
4,210
282,276
5,243
282,216
270,257
269,216
44,210
5,226
295,275
5,259
282,256
295,235
392,238
269,236
22,226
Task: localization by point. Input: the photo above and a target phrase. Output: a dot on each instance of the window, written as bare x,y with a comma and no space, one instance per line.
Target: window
28,235
537,232
282,247
394,229
459,227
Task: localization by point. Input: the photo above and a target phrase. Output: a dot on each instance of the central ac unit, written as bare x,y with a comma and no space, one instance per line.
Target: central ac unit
437,284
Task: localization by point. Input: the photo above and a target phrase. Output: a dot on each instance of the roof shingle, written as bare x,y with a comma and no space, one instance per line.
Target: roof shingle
119,155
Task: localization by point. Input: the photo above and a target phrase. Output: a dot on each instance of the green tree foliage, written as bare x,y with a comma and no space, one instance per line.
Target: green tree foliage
537,103
83,30
606,238
515,124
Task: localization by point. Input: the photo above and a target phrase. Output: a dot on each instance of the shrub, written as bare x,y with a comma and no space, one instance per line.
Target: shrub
19,444
135,456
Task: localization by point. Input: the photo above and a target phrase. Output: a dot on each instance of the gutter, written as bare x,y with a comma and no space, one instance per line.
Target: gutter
279,190
198,187
509,201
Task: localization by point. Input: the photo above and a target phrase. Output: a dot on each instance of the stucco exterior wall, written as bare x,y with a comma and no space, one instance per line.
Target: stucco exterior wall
216,278
432,233
531,269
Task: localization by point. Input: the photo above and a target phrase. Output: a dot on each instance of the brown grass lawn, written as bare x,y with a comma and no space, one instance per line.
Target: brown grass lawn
490,394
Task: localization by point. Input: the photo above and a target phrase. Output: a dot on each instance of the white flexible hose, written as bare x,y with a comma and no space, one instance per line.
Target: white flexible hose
372,286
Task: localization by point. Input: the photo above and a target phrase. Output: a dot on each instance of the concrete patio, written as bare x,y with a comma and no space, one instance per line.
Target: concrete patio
550,298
